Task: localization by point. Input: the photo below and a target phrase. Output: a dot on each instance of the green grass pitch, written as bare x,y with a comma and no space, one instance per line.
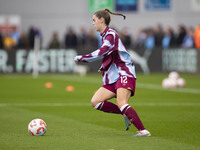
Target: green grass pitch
172,116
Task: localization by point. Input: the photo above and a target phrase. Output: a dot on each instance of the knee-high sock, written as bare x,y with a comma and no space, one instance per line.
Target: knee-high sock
108,107
132,116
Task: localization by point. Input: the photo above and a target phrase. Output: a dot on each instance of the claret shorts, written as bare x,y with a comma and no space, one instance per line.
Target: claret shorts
122,82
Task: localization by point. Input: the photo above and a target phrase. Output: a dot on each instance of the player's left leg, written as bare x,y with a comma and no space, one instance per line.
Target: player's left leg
123,96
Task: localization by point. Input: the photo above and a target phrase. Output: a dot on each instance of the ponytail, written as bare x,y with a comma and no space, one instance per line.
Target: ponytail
115,13
105,13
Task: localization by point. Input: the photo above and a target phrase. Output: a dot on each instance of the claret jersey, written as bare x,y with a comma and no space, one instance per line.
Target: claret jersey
116,61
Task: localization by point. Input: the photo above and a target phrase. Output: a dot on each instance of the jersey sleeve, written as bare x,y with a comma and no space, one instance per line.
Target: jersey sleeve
107,45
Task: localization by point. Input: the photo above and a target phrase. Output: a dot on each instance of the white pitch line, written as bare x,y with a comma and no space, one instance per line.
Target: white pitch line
87,104
157,87
43,104
139,85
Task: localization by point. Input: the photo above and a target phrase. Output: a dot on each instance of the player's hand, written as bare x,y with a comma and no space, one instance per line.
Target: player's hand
100,71
77,58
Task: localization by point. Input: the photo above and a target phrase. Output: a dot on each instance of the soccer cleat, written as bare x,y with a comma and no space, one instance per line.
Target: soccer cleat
127,122
143,133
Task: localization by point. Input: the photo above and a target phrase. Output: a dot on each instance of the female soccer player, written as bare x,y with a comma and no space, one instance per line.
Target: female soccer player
118,73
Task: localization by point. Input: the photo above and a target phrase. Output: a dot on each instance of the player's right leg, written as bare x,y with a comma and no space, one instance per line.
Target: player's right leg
99,101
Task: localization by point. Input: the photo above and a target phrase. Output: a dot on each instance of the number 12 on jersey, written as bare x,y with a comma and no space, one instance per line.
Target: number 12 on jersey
123,79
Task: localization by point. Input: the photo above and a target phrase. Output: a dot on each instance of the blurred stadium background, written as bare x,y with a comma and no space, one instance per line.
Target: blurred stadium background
41,37
151,27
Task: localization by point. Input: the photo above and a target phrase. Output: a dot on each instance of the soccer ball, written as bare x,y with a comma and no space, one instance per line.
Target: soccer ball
181,82
174,75
37,127
169,83
165,83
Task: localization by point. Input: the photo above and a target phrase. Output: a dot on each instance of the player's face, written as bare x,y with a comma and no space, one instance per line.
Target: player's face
97,23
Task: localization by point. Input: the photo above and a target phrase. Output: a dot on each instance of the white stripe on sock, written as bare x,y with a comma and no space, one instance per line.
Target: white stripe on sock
122,108
99,104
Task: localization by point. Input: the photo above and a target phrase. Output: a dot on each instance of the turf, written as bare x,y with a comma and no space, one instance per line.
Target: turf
172,116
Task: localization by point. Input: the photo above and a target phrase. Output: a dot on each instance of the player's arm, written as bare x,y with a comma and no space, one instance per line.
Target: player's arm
89,57
99,53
